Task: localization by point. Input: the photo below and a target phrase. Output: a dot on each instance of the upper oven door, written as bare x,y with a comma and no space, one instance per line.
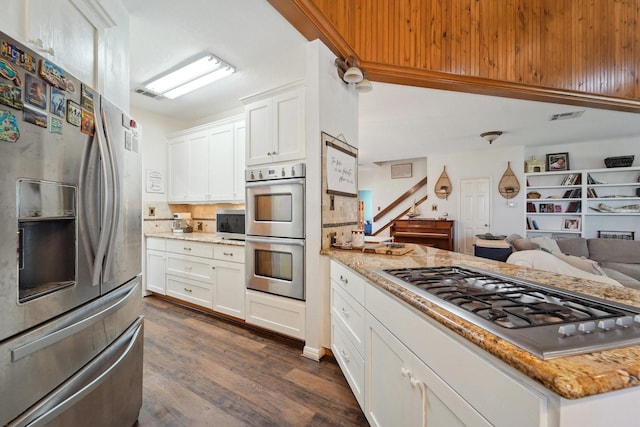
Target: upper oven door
276,208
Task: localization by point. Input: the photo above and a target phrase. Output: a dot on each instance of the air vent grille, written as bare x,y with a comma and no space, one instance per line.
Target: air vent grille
566,116
149,94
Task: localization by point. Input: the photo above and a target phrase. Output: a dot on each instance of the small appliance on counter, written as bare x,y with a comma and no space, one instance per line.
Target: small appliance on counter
182,223
230,224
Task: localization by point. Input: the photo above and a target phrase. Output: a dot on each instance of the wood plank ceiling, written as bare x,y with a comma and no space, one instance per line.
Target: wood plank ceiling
580,52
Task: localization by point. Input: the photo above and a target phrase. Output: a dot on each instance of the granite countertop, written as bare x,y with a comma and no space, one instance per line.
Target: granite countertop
571,377
196,237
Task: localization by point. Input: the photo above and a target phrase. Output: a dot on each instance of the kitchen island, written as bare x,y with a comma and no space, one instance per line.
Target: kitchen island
563,390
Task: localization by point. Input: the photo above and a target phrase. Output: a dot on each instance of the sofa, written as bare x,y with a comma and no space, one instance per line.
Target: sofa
604,260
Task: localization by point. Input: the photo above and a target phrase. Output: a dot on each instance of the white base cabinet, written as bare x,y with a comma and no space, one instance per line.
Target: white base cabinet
156,262
416,372
210,275
230,286
275,313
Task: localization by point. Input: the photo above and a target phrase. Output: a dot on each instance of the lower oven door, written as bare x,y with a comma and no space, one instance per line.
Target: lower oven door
276,266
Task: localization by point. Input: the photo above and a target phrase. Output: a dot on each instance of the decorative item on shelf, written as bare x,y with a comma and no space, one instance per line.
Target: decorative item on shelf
413,211
619,161
558,162
509,187
443,185
533,195
534,165
491,136
350,71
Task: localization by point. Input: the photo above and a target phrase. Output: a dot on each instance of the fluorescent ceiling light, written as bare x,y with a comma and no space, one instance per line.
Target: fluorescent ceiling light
202,71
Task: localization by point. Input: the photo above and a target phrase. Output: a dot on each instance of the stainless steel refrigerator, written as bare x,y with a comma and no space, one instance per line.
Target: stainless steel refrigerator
71,327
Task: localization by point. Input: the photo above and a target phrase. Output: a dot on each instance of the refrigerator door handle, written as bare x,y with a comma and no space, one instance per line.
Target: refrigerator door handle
83,208
60,334
84,382
107,208
115,207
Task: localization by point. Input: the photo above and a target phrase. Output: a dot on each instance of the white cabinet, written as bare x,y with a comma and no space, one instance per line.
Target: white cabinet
230,280
156,265
206,164
348,327
403,391
210,275
190,272
275,126
88,38
276,313
407,370
583,202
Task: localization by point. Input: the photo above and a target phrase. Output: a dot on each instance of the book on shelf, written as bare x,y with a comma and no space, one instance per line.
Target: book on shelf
572,179
567,194
574,207
529,225
535,224
531,207
591,193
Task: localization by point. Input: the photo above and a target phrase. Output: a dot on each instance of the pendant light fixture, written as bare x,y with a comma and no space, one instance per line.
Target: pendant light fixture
350,72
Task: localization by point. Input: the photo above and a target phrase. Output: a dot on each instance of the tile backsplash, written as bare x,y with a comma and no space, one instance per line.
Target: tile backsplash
158,216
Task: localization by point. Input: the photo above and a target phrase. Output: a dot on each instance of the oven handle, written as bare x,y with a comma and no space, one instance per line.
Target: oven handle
284,181
274,240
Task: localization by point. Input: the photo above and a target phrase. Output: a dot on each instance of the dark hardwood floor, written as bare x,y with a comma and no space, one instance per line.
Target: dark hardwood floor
203,371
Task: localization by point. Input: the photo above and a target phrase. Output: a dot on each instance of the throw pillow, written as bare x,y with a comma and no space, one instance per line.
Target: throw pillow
583,264
546,243
524,245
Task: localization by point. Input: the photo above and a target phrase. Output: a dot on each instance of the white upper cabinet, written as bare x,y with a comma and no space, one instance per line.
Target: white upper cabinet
275,126
87,38
206,164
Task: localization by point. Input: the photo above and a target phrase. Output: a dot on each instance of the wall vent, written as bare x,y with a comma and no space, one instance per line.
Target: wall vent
149,94
566,116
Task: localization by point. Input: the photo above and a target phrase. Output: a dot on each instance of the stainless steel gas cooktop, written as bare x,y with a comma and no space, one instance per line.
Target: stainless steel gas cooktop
543,320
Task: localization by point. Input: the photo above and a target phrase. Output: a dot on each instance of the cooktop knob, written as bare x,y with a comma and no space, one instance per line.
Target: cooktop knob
587,327
624,321
606,324
567,330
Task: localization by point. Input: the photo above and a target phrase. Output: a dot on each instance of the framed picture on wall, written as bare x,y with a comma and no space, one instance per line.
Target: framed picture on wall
558,162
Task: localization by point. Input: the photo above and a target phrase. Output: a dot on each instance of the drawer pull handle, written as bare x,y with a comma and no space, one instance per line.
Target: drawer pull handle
186,248
188,290
344,280
405,372
345,355
227,253
345,312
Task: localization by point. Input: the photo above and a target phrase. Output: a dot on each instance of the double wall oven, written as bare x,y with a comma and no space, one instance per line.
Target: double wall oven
275,230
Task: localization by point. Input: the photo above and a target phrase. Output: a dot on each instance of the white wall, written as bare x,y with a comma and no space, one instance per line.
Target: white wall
331,107
589,155
155,129
386,189
489,162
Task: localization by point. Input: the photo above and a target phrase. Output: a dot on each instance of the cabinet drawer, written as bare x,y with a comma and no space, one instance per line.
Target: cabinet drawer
348,281
346,311
156,243
192,291
351,362
186,247
228,253
191,267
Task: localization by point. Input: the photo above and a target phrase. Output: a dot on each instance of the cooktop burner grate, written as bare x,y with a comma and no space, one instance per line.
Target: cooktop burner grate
542,319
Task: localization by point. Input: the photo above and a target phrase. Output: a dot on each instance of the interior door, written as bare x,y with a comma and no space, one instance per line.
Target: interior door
475,211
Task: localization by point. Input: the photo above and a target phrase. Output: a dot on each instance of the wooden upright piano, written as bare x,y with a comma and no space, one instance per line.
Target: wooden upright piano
429,232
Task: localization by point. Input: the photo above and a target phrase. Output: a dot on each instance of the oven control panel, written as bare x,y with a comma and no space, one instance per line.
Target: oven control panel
296,170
